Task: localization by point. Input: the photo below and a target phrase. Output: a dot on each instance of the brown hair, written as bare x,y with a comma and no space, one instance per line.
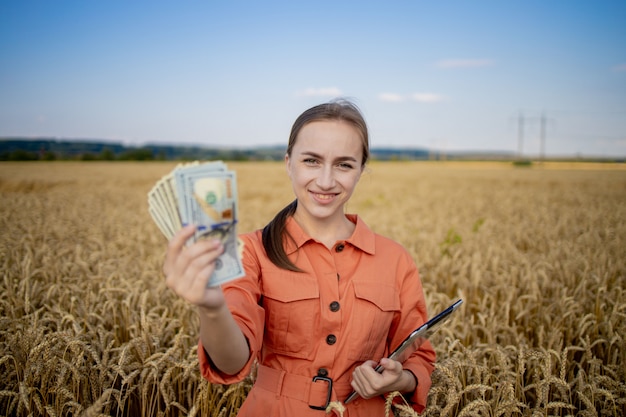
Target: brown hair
274,232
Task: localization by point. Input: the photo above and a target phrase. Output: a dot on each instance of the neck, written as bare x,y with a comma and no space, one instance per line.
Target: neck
327,231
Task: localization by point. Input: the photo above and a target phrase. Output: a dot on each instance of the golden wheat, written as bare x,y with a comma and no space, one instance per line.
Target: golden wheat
538,254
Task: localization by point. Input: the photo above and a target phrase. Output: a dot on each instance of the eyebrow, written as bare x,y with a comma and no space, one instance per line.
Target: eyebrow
339,159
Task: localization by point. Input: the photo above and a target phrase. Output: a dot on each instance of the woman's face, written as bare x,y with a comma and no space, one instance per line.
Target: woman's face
324,167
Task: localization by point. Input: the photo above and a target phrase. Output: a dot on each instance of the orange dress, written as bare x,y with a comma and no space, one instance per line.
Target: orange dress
308,331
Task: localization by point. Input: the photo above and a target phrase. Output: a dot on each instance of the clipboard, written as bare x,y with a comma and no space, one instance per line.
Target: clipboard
415,339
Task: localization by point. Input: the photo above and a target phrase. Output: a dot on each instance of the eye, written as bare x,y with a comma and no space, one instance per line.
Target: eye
345,165
310,161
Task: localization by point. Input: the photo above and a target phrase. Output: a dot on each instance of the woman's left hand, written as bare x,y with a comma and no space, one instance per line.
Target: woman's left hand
368,383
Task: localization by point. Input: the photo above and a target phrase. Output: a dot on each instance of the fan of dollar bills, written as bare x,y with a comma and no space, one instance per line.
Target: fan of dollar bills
203,194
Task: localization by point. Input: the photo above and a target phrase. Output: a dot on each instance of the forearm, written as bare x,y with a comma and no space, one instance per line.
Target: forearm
407,383
422,366
223,340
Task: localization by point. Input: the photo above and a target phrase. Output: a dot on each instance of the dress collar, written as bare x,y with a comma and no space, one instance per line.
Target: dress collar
362,238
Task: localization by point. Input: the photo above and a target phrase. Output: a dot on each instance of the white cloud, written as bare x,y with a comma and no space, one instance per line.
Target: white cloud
390,97
464,63
426,97
620,68
418,97
321,92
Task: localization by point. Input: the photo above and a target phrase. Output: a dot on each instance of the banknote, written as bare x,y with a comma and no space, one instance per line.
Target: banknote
203,194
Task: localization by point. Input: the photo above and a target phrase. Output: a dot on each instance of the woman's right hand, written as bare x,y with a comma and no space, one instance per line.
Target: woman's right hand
188,269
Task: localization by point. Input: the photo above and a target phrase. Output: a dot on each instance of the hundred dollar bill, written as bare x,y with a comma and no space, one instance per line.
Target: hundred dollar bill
207,198
203,194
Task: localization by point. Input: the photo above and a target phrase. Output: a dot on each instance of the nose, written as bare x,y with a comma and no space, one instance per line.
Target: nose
325,179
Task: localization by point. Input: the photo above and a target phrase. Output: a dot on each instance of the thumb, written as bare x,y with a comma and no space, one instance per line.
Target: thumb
390,365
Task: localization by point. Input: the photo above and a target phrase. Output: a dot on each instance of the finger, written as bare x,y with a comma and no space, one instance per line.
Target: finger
362,387
362,379
181,261
175,246
196,266
202,265
368,369
357,385
194,289
195,263
205,253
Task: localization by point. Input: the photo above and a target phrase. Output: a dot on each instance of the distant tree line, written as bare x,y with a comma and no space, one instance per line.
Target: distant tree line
51,150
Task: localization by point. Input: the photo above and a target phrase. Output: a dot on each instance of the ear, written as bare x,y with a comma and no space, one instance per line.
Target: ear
361,171
288,165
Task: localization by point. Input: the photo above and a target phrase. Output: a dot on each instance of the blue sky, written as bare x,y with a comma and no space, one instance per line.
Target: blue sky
448,75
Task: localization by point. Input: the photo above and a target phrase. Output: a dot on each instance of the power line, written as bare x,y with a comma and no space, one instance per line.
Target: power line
521,129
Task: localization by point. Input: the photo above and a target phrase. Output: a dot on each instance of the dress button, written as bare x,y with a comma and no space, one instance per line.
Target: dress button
334,306
331,339
339,247
322,372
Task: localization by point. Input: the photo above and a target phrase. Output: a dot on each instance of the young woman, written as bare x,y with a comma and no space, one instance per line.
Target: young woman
324,298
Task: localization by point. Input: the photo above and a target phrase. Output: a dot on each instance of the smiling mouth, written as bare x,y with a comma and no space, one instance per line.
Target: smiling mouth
323,196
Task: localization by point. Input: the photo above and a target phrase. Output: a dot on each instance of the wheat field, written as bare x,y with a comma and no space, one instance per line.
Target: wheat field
88,327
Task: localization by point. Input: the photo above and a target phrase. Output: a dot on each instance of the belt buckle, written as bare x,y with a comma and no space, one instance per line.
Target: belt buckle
329,395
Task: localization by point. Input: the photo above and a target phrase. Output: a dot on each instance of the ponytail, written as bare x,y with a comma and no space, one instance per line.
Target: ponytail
273,238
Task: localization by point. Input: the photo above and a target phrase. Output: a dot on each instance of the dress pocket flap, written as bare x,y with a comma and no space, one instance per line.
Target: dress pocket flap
289,288
384,296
